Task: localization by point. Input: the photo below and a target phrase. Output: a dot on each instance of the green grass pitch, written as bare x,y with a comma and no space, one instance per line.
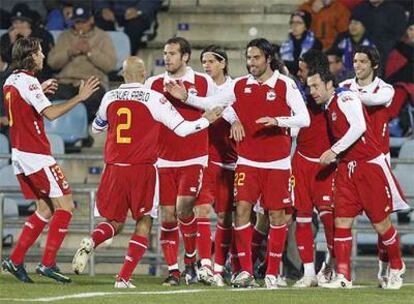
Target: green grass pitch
99,289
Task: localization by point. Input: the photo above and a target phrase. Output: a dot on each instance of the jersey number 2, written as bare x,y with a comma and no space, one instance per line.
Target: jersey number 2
123,126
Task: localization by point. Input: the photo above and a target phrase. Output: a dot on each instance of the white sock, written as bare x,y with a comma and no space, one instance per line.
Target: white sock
309,269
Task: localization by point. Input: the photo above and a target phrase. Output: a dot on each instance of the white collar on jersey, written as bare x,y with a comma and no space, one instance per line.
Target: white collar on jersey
131,85
225,83
271,82
189,76
368,88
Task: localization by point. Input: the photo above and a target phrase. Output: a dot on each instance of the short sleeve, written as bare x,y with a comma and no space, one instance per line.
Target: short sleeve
32,92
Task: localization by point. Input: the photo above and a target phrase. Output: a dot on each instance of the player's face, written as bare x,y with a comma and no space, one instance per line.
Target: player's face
173,59
38,58
318,89
410,33
212,66
362,66
257,63
303,72
297,26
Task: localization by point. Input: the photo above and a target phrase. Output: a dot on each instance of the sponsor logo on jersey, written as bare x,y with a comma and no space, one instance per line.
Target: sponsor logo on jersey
33,87
286,200
65,185
271,95
193,189
326,198
247,90
163,100
333,116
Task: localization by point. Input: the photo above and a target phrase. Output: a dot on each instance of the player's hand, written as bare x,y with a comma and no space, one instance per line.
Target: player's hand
327,157
88,87
177,90
213,115
267,121
50,86
237,131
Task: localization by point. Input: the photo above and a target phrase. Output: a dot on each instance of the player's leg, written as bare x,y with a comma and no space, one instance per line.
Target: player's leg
260,231
189,185
391,242
204,244
32,229
58,228
222,244
136,249
169,238
247,192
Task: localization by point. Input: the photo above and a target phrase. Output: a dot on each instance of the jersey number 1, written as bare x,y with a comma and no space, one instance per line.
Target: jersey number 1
123,126
8,98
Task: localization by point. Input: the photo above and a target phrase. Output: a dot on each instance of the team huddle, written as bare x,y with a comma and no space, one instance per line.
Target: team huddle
190,143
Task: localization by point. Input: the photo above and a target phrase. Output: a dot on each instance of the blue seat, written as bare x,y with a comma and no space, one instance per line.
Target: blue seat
4,149
72,126
56,143
122,47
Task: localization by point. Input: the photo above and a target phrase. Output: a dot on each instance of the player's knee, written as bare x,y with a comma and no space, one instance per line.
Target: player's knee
118,227
168,215
277,217
343,222
143,226
382,226
243,211
224,219
203,211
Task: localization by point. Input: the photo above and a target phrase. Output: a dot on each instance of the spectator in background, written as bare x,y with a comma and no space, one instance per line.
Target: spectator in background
350,4
22,26
336,65
135,16
4,19
348,41
300,40
81,52
329,17
400,70
385,23
60,18
5,72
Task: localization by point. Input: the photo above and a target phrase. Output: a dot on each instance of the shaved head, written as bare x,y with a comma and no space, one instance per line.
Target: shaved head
133,69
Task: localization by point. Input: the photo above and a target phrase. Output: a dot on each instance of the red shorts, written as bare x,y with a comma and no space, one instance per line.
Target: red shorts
217,188
124,188
312,185
272,186
49,182
183,181
367,186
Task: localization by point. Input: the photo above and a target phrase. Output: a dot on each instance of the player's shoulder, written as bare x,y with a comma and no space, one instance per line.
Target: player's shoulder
347,83
154,79
383,84
22,80
346,95
240,79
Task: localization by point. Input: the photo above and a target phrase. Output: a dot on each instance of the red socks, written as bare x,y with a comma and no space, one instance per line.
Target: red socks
137,246
32,228
391,241
276,246
304,239
243,240
327,219
188,228
204,240
58,229
169,243
343,248
221,247
257,241
234,259
104,231
382,251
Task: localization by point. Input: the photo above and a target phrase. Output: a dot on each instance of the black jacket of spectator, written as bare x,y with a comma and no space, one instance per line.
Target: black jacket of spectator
385,24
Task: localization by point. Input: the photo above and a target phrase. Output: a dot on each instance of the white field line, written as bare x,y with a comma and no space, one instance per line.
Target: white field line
185,291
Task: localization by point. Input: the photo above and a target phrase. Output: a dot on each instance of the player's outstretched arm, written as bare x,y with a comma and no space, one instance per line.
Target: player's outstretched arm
86,89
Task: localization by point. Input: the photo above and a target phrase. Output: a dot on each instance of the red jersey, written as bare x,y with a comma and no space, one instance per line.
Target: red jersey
175,151
312,141
376,97
24,103
132,115
222,149
354,138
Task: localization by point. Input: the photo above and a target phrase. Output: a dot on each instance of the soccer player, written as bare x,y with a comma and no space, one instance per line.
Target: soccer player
132,115
263,101
218,180
364,181
181,162
39,175
313,182
377,96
